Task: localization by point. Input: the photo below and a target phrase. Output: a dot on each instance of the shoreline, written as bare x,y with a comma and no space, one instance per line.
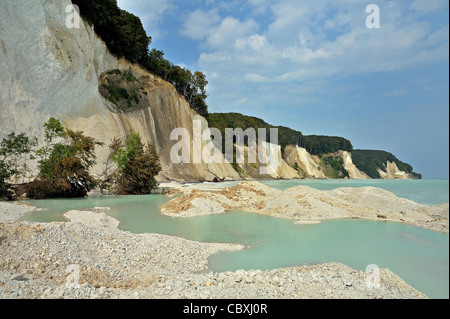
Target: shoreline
303,204
12,211
34,258
112,264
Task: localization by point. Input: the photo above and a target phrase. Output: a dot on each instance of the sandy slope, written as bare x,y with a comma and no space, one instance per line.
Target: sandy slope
305,204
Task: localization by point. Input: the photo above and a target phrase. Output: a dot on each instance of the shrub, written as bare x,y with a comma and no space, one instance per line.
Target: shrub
137,166
64,165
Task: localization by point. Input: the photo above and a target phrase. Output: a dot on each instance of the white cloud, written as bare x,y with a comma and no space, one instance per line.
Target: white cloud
198,23
150,12
254,42
252,77
311,39
227,33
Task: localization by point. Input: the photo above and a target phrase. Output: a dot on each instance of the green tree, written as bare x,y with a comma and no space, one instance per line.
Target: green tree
53,129
130,38
122,31
64,165
137,166
157,64
334,167
125,36
370,161
200,83
199,105
317,145
12,148
221,121
198,96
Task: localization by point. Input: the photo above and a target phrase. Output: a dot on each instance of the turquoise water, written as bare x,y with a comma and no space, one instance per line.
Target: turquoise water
418,256
427,191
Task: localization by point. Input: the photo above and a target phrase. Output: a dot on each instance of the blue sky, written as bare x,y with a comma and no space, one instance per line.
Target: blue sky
314,66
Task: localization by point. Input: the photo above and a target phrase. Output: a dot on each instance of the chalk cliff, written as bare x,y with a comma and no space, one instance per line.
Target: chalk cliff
307,165
268,165
393,172
49,70
352,170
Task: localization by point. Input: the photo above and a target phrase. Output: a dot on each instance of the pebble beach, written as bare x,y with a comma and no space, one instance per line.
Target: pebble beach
90,258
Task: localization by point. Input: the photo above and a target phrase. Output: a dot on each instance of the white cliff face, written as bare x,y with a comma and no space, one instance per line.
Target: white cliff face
268,163
274,163
48,69
307,164
352,170
393,172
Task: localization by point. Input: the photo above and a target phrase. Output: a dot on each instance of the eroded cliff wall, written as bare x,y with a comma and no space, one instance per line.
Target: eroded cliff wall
49,70
393,172
353,171
307,165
